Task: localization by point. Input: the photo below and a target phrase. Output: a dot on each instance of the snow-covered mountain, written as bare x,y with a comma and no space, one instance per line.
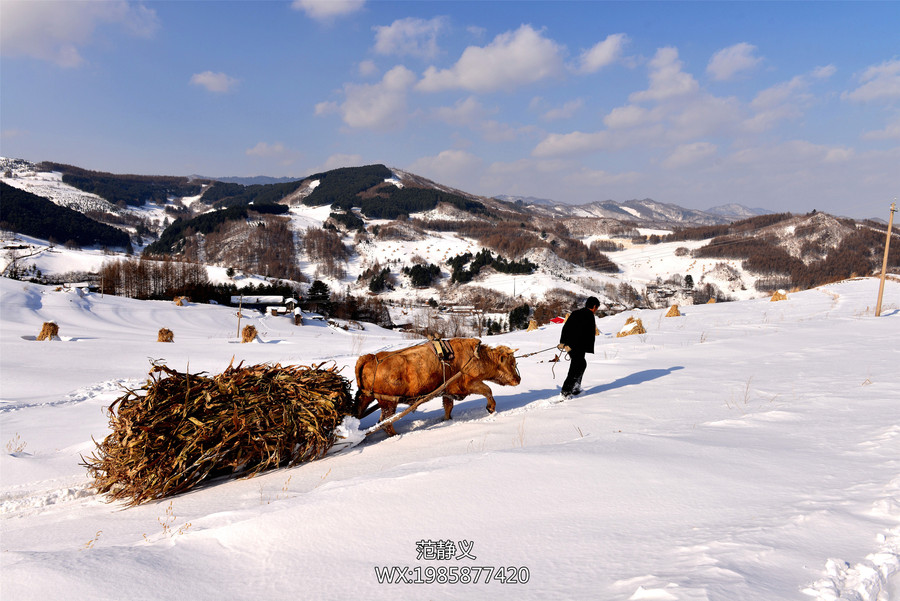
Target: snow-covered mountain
648,274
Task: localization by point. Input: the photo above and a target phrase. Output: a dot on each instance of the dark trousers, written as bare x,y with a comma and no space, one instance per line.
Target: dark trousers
577,366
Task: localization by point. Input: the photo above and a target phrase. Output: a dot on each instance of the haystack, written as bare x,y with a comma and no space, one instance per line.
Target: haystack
248,334
165,335
179,429
779,295
532,325
49,331
632,326
673,311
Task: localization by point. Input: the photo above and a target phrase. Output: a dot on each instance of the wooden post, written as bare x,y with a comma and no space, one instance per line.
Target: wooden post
887,246
240,304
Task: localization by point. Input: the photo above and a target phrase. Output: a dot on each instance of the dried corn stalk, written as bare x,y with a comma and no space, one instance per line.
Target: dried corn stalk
181,429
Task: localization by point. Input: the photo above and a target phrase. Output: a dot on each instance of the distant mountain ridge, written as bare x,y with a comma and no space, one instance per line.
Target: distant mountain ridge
646,212
737,211
257,180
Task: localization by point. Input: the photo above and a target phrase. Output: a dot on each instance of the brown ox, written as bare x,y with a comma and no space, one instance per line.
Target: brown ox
394,377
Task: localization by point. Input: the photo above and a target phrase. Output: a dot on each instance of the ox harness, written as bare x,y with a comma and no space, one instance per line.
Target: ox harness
442,349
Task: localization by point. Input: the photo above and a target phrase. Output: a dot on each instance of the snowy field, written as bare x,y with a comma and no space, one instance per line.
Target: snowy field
742,451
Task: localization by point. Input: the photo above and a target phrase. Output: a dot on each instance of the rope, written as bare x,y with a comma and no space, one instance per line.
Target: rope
535,352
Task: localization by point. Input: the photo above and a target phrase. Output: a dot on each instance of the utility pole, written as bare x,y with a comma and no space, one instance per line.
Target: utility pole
887,246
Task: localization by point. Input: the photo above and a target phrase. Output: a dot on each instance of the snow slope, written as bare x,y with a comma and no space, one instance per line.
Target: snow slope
743,451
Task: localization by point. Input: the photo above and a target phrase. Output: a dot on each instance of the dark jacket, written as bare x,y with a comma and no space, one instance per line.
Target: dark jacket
579,331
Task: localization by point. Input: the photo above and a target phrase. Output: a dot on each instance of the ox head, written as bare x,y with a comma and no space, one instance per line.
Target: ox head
504,361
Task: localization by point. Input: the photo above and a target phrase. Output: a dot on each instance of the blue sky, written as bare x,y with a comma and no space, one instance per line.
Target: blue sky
786,106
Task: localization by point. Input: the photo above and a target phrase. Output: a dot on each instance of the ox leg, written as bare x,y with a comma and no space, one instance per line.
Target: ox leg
387,411
485,391
448,407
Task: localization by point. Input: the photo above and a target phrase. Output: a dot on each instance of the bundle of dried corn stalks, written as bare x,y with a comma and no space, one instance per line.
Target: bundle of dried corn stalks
49,331
187,428
248,334
632,326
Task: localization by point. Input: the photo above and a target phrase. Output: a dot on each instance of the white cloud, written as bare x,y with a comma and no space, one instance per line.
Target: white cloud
838,155
455,167
495,131
566,111
214,82
262,149
787,155
781,93
367,68
328,107
410,36
688,154
783,101
470,113
706,115
573,143
879,83
824,72
891,132
595,178
674,122
11,134
57,31
667,80
629,116
379,106
336,161
511,60
466,112
276,152
603,53
558,179
326,10
729,62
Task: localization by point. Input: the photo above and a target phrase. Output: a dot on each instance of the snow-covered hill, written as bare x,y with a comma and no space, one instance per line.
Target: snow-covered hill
742,451
48,184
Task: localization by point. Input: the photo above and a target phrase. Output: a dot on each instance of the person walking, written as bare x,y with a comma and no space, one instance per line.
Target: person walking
577,339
